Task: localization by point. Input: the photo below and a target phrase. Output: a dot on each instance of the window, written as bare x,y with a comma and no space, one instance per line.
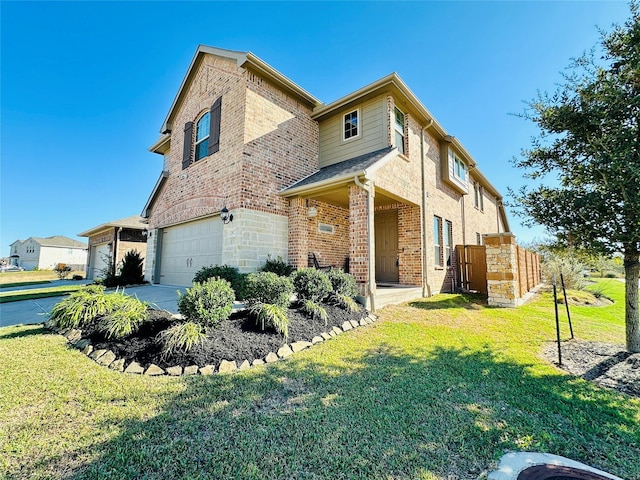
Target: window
202,136
448,242
459,168
351,125
478,239
399,129
437,242
478,198
206,138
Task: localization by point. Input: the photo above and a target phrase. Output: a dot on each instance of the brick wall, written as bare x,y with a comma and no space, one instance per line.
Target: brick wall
409,245
330,248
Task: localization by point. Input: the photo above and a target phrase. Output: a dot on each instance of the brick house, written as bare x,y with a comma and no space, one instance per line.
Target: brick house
109,242
254,166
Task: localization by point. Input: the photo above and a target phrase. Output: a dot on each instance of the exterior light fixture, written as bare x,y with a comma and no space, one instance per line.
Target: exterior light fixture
225,216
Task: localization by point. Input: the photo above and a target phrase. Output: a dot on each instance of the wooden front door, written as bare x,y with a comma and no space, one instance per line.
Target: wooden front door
386,228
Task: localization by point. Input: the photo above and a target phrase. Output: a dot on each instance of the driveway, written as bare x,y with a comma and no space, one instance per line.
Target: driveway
162,297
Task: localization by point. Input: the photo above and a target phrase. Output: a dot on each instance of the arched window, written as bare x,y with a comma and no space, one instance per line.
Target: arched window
202,136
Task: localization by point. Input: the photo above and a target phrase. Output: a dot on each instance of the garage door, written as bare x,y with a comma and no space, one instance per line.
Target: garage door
99,260
187,248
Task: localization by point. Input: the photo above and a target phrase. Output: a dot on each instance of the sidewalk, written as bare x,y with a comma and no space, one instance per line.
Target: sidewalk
162,297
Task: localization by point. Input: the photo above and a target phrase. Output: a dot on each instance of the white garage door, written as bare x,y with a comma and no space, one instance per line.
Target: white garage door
187,248
99,260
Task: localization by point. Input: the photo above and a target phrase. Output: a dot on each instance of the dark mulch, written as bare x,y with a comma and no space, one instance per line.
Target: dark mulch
237,338
606,364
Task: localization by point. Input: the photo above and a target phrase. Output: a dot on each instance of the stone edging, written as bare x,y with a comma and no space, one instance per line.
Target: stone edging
108,359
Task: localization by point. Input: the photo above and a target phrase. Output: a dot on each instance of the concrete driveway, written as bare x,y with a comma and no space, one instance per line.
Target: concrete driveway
162,297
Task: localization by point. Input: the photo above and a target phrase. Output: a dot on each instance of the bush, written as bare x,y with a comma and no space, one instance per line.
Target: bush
311,284
80,308
268,288
62,271
277,266
342,283
77,277
314,310
181,338
207,303
125,316
272,315
230,274
570,268
131,272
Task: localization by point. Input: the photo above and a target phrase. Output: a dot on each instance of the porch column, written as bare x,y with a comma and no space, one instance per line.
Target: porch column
502,269
361,250
298,234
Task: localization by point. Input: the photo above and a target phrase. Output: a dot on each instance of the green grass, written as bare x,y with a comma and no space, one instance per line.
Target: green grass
32,276
436,389
34,293
24,284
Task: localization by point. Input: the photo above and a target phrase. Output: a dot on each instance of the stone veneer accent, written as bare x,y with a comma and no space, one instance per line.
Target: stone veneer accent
108,359
252,236
502,268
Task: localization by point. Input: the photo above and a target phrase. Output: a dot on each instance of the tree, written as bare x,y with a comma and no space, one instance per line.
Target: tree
589,142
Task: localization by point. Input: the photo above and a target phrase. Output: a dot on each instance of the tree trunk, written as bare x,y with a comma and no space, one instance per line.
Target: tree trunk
632,319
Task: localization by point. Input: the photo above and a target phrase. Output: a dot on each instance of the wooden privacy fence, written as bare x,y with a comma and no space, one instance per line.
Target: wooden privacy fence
499,268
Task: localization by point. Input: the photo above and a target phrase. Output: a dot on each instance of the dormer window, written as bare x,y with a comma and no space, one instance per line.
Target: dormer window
351,128
202,136
399,130
459,169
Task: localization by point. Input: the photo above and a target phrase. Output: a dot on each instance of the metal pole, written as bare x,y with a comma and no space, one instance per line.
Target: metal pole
555,305
566,303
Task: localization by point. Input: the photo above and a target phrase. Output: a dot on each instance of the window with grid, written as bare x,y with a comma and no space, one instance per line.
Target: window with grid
202,136
437,240
478,198
350,125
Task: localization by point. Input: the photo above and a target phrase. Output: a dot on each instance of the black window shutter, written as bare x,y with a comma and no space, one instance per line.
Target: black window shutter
214,126
188,140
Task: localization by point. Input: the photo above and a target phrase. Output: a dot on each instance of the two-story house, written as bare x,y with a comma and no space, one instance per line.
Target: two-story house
47,253
254,166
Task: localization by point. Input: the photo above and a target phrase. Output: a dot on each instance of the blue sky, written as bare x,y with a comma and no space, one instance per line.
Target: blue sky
85,86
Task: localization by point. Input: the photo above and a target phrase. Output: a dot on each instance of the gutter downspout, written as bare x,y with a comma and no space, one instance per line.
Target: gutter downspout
426,289
370,240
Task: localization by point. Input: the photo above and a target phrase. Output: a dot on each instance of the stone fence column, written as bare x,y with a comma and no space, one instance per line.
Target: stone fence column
502,269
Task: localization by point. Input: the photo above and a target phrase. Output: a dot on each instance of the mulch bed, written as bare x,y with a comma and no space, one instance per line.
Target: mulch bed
237,338
605,364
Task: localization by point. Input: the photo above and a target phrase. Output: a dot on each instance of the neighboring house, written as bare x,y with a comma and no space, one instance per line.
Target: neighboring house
370,182
109,242
47,253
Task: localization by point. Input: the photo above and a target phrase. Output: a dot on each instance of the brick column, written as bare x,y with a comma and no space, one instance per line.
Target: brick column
298,235
410,244
502,269
358,238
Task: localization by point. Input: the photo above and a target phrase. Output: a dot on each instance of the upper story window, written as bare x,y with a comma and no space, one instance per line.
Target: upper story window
459,168
478,196
351,127
205,140
399,130
202,136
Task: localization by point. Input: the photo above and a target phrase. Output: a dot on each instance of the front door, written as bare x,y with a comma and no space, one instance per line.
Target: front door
386,228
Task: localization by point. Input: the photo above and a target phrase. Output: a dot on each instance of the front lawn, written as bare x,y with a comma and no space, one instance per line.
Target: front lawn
35,293
438,388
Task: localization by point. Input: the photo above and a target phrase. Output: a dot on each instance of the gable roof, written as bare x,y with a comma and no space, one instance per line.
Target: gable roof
134,222
57,241
342,172
242,59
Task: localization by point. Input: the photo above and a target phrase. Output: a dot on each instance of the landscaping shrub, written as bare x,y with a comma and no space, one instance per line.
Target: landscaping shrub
62,271
207,303
570,268
342,283
125,316
311,284
181,338
80,308
131,272
272,315
230,274
269,288
277,266
314,310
